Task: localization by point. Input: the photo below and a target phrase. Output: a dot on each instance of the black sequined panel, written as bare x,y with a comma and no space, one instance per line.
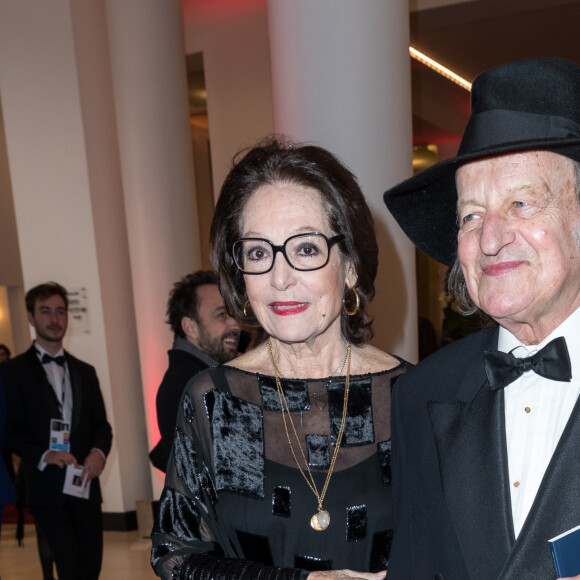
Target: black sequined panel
380,551
188,408
209,402
318,451
295,391
206,567
384,454
281,501
185,461
311,563
238,444
255,547
356,523
359,428
177,516
206,484
159,552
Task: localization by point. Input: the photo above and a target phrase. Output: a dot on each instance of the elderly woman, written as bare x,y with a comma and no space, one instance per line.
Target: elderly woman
281,460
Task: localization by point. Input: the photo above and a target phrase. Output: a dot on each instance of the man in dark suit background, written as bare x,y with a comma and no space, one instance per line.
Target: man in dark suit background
7,493
204,335
486,431
48,389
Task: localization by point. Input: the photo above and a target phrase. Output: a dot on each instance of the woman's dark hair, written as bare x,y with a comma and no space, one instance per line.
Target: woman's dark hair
277,160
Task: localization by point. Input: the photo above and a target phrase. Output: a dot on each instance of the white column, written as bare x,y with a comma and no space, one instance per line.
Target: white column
114,262
233,37
151,101
341,79
64,176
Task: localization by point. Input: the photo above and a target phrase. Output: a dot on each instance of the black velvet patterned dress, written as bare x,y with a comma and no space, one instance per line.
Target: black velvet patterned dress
235,505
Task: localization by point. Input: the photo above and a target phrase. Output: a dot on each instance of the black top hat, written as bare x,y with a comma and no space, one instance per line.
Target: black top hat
531,104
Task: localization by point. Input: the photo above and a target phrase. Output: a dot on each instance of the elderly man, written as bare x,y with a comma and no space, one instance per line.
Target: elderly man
486,432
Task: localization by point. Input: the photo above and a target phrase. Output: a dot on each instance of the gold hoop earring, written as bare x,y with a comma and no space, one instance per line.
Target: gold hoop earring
356,306
246,304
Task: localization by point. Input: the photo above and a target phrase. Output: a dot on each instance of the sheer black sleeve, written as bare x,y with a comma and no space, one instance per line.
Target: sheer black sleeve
187,537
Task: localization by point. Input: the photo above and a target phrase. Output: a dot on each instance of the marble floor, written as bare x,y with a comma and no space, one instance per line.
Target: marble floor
126,555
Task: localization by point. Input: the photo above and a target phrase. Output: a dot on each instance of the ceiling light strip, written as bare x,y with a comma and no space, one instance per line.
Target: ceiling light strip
439,68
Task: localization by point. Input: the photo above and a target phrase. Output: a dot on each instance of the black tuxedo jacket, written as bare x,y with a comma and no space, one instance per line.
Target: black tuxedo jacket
7,494
182,367
31,403
450,477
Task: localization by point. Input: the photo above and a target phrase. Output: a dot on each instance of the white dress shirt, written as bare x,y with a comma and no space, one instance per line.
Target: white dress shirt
536,412
59,378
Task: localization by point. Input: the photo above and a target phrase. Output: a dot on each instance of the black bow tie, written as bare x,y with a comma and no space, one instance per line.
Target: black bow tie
551,362
59,360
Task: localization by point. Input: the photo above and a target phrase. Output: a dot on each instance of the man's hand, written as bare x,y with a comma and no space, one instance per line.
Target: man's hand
343,574
60,459
93,465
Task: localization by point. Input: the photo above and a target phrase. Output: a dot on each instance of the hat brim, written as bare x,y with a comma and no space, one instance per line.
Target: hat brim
425,205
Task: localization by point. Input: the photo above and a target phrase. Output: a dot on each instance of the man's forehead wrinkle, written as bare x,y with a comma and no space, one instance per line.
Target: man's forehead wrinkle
543,185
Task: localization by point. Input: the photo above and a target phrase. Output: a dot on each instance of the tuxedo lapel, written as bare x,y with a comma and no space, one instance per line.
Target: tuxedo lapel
77,392
470,438
555,510
41,383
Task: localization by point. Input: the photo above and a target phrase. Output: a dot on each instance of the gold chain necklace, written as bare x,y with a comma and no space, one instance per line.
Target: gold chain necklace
320,520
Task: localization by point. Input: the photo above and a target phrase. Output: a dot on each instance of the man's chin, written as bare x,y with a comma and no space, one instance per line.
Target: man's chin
53,338
227,355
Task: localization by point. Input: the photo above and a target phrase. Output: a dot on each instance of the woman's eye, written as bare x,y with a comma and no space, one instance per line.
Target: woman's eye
307,250
256,254
520,203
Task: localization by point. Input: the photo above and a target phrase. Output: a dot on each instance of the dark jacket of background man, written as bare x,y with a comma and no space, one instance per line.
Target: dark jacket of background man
32,404
205,335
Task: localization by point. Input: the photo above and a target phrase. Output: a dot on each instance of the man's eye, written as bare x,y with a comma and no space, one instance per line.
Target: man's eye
520,203
469,221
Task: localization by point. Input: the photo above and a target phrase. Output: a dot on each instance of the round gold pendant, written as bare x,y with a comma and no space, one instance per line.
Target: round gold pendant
320,521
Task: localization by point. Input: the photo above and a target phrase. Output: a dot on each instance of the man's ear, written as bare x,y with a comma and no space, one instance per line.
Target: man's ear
190,328
30,319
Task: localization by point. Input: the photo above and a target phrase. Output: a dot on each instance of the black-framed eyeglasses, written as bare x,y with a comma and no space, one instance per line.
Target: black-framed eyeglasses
304,252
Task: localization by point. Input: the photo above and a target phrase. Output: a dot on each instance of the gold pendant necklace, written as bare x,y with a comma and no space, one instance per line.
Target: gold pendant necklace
320,520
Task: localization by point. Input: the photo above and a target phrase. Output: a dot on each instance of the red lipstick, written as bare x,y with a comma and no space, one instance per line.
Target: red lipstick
288,308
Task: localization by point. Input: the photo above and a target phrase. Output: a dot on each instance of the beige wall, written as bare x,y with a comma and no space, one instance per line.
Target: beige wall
5,324
97,160
236,58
